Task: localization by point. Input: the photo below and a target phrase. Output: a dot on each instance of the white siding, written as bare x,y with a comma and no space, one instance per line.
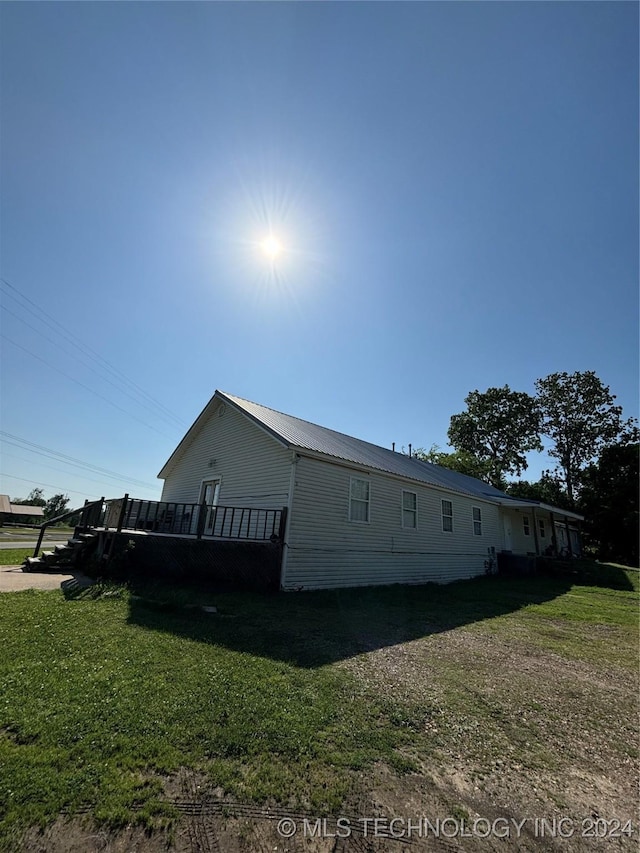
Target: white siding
520,543
325,549
254,469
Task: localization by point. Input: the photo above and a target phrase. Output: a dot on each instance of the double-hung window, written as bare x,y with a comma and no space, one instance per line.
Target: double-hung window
409,510
477,520
359,500
541,527
447,516
526,526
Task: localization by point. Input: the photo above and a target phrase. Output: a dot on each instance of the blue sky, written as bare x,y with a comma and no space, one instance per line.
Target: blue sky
455,186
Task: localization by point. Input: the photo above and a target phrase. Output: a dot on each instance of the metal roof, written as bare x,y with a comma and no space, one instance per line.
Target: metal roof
25,509
18,509
300,434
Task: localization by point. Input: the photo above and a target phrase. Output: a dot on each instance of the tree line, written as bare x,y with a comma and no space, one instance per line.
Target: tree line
595,450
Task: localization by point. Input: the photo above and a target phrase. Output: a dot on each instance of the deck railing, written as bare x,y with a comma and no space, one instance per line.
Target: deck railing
192,519
90,515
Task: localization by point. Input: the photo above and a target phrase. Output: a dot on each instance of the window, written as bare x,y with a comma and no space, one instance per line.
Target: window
477,520
541,527
359,496
447,516
409,510
526,526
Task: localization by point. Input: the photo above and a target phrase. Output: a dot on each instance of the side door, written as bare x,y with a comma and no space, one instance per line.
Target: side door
209,494
508,535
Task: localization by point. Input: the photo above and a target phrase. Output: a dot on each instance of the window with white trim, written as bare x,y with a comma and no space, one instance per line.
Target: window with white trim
359,500
526,526
541,528
409,510
447,516
477,520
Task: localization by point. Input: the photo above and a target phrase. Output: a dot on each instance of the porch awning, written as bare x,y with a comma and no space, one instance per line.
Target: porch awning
520,503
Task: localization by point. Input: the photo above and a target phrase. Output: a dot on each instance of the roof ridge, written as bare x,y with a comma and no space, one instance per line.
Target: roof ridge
320,426
437,474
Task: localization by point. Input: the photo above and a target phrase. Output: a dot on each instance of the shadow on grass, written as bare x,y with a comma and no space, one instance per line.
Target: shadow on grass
590,573
311,629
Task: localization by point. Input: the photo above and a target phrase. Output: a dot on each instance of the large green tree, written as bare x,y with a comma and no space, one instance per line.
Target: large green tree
581,418
57,505
34,498
609,501
548,489
498,427
459,460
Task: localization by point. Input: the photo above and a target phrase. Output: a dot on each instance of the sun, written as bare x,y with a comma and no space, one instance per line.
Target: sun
272,247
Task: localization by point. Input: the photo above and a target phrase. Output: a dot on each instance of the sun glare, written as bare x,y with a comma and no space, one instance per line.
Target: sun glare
272,247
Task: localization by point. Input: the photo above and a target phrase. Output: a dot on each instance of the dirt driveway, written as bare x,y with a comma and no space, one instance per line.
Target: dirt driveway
13,579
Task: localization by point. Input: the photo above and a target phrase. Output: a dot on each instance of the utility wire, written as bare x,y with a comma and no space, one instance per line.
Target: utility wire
92,369
86,387
53,468
49,485
87,351
32,447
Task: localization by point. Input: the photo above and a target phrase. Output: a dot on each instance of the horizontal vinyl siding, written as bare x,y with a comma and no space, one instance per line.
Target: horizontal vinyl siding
521,544
253,468
325,549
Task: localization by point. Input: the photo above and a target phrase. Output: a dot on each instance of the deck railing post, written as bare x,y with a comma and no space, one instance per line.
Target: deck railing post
123,510
40,537
202,517
83,517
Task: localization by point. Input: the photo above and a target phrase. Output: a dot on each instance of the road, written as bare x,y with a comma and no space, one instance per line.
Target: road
6,542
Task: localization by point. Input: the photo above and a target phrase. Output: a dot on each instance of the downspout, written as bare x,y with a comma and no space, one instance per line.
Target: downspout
285,543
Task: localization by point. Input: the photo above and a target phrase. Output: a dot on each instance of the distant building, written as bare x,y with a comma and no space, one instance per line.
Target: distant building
18,513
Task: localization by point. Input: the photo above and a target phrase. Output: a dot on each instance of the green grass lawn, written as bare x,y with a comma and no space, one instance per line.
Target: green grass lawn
14,556
107,692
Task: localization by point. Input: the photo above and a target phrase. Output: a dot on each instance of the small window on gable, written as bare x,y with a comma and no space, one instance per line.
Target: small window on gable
409,510
447,516
526,526
477,520
541,527
359,500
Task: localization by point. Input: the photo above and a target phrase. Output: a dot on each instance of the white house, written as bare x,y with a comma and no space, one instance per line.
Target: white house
357,514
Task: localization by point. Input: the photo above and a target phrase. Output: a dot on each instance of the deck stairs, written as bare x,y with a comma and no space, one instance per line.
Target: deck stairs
63,557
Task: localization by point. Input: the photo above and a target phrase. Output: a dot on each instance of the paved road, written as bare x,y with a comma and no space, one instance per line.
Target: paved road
31,543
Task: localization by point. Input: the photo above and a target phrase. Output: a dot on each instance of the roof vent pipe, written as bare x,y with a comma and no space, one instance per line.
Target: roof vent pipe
409,451
393,446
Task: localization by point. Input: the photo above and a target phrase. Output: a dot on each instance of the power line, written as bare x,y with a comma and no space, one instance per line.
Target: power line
53,468
49,485
86,387
75,341
92,369
56,455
